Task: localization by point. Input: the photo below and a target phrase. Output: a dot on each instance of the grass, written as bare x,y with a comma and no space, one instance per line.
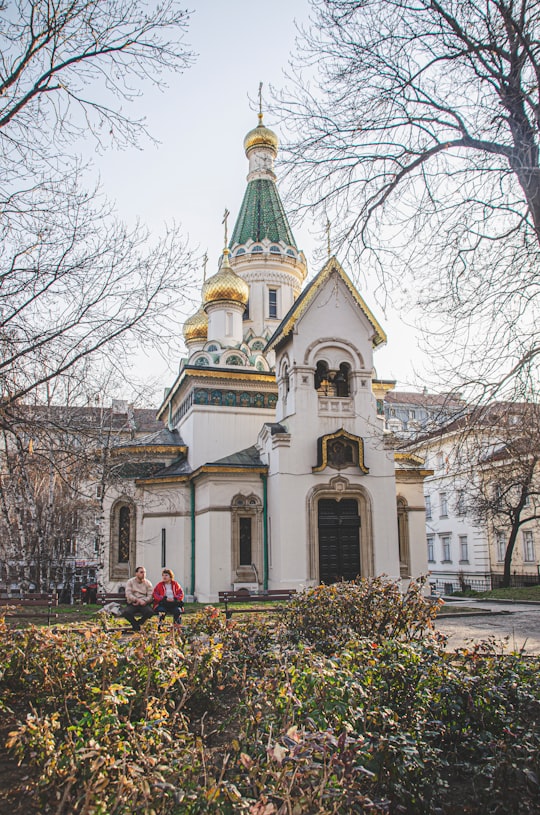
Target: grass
527,593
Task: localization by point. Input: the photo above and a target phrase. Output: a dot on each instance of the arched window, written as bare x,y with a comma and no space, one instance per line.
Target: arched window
246,516
322,380
240,252
275,250
122,536
256,250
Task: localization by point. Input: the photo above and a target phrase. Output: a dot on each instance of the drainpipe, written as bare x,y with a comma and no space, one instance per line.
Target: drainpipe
265,531
192,502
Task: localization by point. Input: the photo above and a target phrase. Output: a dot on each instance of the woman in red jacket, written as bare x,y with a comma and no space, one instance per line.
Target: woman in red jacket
168,597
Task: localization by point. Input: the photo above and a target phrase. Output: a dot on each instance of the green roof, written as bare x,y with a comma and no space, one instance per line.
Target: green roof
262,215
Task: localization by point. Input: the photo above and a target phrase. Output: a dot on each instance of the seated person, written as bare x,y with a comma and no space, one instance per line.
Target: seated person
138,598
169,597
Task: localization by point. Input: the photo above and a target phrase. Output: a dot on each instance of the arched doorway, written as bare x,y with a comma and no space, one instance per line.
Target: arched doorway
341,547
339,539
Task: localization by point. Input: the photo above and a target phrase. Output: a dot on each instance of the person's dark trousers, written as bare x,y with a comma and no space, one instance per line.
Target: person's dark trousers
137,615
170,607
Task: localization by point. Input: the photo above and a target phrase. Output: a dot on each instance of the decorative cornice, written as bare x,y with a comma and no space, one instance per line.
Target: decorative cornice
412,475
200,374
154,450
215,469
170,479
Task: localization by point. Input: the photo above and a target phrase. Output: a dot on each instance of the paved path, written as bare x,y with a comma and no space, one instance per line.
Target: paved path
519,622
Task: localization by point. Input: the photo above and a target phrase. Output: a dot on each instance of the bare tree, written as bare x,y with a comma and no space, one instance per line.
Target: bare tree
67,66
487,465
75,282
504,493
415,127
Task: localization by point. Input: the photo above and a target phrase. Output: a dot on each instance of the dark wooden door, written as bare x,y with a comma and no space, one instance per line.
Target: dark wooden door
339,540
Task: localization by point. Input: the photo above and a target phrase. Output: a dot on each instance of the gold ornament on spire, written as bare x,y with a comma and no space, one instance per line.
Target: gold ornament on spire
225,284
261,136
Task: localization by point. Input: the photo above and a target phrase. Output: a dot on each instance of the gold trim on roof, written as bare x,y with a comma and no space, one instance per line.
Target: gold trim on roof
150,448
226,468
170,479
332,265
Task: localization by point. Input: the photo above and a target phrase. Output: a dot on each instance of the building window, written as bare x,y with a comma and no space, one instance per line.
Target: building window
246,516
427,499
163,548
528,546
341,380
440,461
246,311
245,541
403,538
431,548
463,549
443,505
122,542
445,541
272,303
124,525
501,546
460,503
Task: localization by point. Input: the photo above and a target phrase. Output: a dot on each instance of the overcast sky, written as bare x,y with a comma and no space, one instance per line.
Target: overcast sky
199,166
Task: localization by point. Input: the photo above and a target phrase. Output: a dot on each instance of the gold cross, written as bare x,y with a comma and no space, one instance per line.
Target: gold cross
328,225
224,221
205,261
260,103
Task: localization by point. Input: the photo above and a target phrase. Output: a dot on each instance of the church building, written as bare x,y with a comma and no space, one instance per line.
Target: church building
273,469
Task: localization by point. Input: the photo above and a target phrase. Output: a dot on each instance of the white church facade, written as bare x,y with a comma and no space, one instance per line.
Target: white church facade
273,468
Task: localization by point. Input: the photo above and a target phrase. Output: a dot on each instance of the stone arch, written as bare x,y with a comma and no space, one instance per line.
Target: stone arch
338,488
123,538
327,347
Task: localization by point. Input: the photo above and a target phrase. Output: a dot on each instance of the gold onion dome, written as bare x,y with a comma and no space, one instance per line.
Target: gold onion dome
196,326
225,285
261,136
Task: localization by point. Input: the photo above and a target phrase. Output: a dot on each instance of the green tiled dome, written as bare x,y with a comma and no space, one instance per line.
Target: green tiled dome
262,215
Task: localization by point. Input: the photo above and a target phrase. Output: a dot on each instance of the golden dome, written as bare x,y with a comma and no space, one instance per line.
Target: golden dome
225,285
196,326
261,136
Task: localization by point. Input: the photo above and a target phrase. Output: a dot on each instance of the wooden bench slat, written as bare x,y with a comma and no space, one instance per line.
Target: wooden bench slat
243,596
33,600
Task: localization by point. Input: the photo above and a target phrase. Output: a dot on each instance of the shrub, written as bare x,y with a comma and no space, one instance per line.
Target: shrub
328,616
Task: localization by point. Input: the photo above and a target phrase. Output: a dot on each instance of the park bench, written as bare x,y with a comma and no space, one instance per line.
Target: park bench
32,605
105,597
243,596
